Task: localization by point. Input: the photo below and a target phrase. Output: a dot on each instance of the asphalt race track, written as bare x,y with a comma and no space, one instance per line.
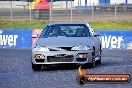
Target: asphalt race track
16,72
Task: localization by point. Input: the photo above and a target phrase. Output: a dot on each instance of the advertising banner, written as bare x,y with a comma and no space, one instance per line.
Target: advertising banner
15,38
121,39
118,39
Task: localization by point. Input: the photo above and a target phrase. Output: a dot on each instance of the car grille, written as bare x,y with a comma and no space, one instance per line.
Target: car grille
68,58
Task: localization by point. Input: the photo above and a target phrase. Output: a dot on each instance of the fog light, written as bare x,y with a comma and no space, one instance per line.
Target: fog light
37,56
82,55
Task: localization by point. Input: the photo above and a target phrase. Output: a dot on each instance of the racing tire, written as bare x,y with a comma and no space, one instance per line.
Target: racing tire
36,67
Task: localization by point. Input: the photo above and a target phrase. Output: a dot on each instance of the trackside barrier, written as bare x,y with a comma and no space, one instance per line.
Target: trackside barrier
119,39
15,38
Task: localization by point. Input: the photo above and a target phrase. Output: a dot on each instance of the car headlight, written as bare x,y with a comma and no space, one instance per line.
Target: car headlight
39,56
80,48
40,49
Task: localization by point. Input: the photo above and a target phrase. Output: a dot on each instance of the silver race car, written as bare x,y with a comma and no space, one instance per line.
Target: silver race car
66,43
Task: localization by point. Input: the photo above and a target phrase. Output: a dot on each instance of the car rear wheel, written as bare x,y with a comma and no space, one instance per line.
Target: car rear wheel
36,67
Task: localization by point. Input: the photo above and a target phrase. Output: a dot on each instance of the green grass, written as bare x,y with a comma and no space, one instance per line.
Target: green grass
22,24
121,25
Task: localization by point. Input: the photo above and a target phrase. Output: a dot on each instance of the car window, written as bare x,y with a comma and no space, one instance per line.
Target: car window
67,30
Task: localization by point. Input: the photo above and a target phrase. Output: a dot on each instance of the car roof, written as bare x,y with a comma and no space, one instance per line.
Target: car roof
53,23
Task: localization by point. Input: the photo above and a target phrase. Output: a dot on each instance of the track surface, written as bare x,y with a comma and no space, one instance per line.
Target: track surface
16,72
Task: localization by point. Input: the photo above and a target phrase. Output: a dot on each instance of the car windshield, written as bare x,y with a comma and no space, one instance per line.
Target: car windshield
66,30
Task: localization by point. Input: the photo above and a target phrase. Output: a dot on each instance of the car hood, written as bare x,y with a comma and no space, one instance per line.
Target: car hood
63,41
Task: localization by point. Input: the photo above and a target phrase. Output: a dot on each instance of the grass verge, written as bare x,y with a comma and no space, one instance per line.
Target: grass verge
121,25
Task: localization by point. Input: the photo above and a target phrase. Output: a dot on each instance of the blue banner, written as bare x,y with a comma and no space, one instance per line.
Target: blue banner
15,38
120,39
116,39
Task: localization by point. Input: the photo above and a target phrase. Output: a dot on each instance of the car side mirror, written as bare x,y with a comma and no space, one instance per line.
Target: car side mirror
96,34
35,36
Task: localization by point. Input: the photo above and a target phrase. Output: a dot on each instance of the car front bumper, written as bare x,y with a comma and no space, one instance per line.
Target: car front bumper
69,57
